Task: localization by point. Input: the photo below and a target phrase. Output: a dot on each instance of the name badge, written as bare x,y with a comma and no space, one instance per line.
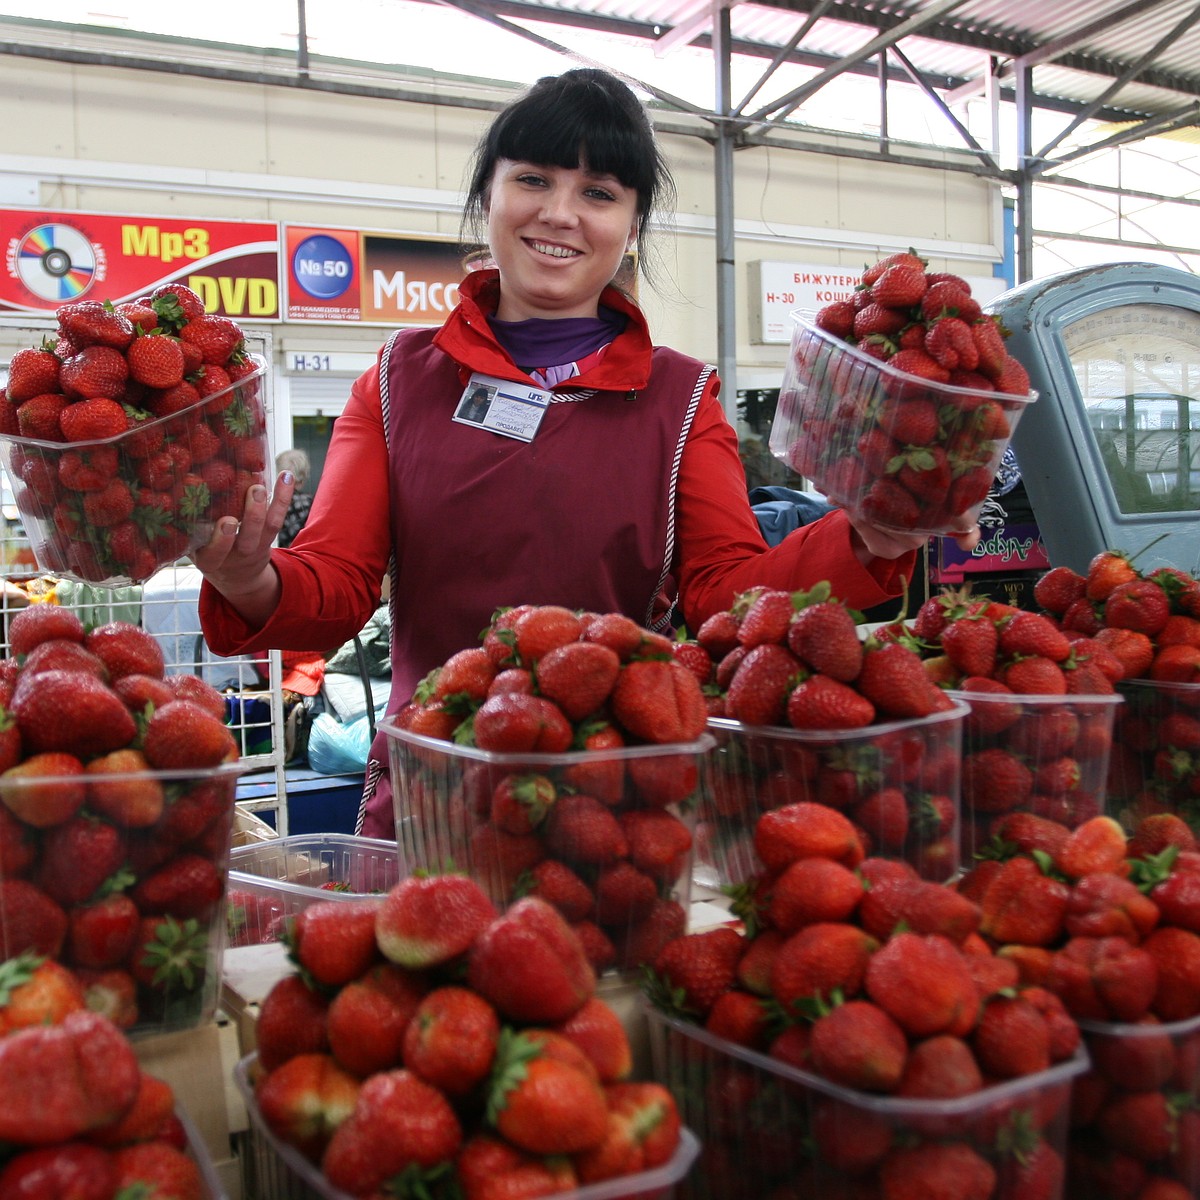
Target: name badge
512,410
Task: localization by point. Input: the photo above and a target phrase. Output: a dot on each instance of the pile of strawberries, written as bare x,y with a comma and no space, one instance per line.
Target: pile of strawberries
591,822
1111,925
887,988
914,443
825,716
431,1041
1150,622
117,790
131,432
78,1116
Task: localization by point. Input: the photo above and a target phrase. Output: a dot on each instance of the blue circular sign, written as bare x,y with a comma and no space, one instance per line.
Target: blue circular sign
321,266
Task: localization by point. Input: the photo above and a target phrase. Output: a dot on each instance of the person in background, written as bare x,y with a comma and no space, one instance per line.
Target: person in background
621,492
296,463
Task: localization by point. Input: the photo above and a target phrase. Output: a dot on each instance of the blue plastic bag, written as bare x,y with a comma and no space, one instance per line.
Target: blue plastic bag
337,749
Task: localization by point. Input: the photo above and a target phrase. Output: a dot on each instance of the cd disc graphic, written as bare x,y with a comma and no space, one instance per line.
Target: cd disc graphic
56,262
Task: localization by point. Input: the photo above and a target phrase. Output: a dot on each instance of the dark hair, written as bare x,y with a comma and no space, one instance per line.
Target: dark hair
585,114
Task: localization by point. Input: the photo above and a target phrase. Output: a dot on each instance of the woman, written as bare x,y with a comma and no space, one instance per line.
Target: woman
616,485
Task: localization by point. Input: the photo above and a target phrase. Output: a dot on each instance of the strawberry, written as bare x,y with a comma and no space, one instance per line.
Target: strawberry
36,991
334,942
1011,1039
513,722
578,677
64,1080
763,615
31,371
812,890
692,971
72,713
292,1019
176,304
1176,955
902,258
857,1045
95,323
582,830
718,634
71,1171
427,920
303,1100
94,371
971,642
658,842
659,702
1139,604
758,692
1106,571
894,680
1030,633
806,830
155,360
32,921
42,622
819,960
183,735
520,802
489,1168
922,982
600,1034
96,419
1104,979
824,636
126,649
820,702
451,1040
899,286
530,965
936,1169
77,857
949,341
1013,378
544,1100
543,628
643,1133
1034,676
368,1018
40,416
877,320
640,943
1058,589
949,296
836,318
1097,845
1022,904
44,790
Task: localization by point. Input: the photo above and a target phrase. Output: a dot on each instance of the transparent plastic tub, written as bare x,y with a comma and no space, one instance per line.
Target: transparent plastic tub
847,422
171,484
272,880
175,872
642,797
198,1150
768,1129
1134,1113
1061,749
272,1168
1155,766
756,768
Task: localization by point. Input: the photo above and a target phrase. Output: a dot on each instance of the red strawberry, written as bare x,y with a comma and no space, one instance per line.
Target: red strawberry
858,1045
32,921
1106,571
1013,378
424,921
156,361
292,1019
820,702
217,337
68,1171
806,830
188,885
530,965
31,371
77,857
1140,604
39,417
126,649
824,636
922,982
758,691
764,616
70,712
877,319
719,634
520,802
1022,904
659,702
1058,589
904,258
42,622
582,830
578,677
900,286
183,735
836,318
92,323
335,942
600,1034
694,970
368,1018
303,1100
94,371
559,886
451,1040
543,628
894,680
513,722
936,1169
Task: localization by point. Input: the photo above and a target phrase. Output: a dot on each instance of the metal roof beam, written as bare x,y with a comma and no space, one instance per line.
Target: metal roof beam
696,18
1165,122
783,53
1049,51
1129,73
868,50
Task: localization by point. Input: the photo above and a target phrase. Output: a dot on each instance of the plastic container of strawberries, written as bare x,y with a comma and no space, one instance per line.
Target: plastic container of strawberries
272,1168
273,880
767,1128
191,839
442,794
170,485
756,768
1152,768
1058,748
906,453
1136,1111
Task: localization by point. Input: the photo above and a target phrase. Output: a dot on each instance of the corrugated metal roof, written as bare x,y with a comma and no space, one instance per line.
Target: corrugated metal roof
1079,50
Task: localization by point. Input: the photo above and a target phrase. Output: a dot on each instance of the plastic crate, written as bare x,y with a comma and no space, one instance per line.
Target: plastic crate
843,421
272,1168
192,835
1062,745
756,768
443,806
272,880
768,1129
1152,768
1134,1113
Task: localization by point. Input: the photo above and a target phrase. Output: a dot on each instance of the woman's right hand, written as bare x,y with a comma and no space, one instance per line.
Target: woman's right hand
237,558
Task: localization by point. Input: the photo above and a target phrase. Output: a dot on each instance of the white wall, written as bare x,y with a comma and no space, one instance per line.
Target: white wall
110,139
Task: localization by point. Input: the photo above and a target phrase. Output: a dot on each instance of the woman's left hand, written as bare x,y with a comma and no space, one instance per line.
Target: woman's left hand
870,541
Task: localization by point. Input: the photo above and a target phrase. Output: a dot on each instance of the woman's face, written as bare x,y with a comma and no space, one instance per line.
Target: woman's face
557,234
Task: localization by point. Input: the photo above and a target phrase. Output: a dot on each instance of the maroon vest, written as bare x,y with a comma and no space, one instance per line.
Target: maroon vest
583,515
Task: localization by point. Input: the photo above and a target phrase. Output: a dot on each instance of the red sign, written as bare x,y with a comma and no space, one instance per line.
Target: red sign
374,278
51,258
